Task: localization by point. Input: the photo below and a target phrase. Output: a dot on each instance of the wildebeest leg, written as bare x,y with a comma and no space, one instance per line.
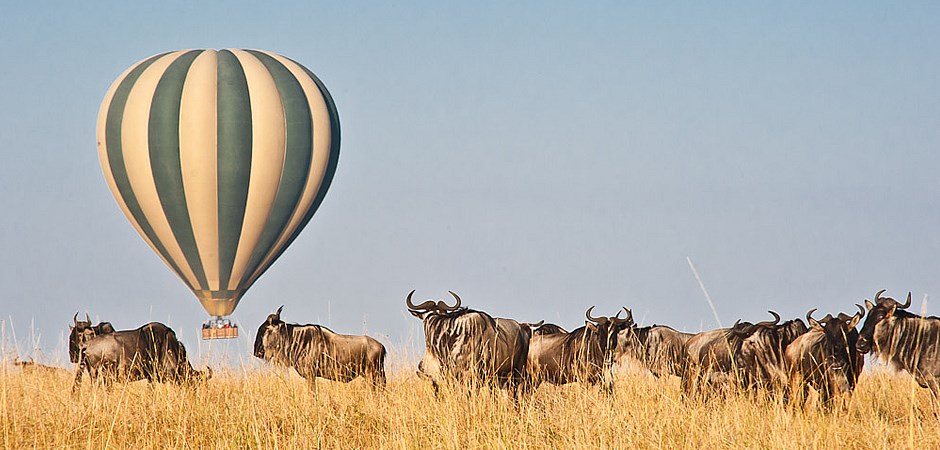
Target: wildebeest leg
78,375
377,380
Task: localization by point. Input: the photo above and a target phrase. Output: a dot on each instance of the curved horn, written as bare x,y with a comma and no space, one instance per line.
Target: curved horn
278,312
771,323
857,317
878,295
906,304
629,314
75,318
593,319
534,325
428,305
444,306
87,319
809,316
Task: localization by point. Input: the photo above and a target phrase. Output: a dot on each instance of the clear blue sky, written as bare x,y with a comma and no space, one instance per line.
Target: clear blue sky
536,158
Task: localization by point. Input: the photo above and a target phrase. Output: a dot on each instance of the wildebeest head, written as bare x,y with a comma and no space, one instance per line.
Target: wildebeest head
430,306
882,309
607,328
837,331
272,334
81,331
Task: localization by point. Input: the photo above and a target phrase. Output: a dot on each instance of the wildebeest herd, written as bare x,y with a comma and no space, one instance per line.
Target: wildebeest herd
472,348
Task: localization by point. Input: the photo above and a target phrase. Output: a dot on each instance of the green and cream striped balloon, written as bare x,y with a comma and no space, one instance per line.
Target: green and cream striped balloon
218,159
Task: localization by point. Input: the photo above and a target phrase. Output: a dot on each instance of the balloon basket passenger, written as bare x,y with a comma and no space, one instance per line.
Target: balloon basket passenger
219,328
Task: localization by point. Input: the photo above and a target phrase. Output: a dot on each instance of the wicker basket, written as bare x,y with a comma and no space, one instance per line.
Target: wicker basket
220,333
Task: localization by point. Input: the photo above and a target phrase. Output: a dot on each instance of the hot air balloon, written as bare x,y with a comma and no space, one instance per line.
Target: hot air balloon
218,159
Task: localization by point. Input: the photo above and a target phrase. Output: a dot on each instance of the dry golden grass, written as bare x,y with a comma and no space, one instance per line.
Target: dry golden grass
277,409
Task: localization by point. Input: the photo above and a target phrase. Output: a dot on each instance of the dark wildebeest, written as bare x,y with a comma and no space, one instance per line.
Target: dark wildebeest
316,351
81,331
762,358
658,348
470,346
823,357
151,352
583,355
904,340
712,358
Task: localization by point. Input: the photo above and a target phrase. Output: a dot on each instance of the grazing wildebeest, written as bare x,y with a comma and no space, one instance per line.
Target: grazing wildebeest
470,346
151,352
904,340
81,331
658,348
762,359
712,357
583,355
822,357
316,351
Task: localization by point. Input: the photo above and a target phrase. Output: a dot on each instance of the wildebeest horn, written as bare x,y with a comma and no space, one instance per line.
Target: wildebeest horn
906,304
278,312
87,319
878,295
75,318
809,316
857,317
428,305
596,320
772,323
629,316
444,306
534,325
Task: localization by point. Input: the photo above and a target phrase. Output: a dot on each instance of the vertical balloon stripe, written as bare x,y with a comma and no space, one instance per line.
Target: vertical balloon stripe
114,161
164,145
322,112
199,160
268,143
135,140
234,163
297,159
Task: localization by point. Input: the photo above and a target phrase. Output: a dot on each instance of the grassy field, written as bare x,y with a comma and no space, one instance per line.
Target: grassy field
277,409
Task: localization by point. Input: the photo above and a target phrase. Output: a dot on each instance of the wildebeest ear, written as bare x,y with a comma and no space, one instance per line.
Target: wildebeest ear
417,314
869,305
590,325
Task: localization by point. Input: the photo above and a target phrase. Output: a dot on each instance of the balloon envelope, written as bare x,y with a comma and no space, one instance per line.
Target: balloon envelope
218,159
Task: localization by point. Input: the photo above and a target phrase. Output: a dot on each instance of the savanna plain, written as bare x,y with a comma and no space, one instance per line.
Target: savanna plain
275,408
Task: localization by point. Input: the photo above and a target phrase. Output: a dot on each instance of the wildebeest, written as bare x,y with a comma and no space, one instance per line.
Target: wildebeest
151,352
81,331
904,340
470,346
659,348
316,351
823,357
583,355
712,357
762,360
